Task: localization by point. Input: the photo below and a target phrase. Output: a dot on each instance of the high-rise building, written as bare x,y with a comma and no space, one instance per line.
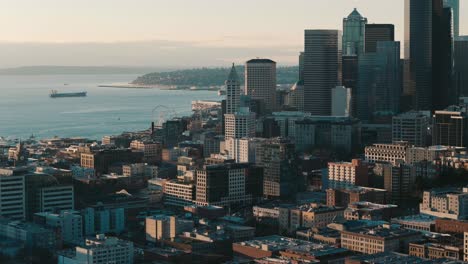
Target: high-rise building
240,124
233,92
228,184
376,33
260,81
12,194
411,127
380,81
296,96
322,59
341,101
301,67
418,50
450,128
455,5
461,65
277,158
349,78
444,92
354,33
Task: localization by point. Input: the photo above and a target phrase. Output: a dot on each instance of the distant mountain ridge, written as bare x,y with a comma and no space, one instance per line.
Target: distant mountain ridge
209,76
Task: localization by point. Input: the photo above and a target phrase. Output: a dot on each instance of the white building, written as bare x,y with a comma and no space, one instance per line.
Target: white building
101,250
341,101
243,150
241,124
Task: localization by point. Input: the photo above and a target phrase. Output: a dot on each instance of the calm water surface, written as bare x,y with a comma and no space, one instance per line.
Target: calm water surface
26,108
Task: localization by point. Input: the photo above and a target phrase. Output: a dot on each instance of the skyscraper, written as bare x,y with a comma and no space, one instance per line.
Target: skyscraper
376,33
418,50
461,65
276,156
379,82
354,33
232,92
442,57
260,81
240,124
350,77
455,5
321,69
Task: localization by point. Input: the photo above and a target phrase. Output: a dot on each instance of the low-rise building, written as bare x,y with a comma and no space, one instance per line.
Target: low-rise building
68,224
445,203
369,211
162,227
100,250
344,197
178,193
432,251
385,238
308,215
290,248
419,222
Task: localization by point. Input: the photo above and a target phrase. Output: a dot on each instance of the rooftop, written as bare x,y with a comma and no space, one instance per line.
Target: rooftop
260,61
277,243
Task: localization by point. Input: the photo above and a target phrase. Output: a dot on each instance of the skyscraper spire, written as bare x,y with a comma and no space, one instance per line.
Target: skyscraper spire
232,91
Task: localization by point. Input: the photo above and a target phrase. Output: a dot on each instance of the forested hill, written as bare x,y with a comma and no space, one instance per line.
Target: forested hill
209,76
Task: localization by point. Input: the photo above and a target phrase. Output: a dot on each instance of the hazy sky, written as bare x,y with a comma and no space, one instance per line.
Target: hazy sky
174,32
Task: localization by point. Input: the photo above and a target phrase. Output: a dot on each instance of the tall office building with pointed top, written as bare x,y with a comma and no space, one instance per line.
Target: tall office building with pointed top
233,92
354,27
260,81
322,60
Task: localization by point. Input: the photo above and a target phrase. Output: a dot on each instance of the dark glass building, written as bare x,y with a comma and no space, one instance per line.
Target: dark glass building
322,63
376,33
418,50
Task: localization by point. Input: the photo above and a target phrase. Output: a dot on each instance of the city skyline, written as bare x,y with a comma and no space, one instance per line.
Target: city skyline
156,32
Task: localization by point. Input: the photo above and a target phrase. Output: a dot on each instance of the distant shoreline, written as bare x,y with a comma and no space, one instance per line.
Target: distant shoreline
161,87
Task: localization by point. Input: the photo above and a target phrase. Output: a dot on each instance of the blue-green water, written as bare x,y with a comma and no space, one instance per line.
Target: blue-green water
26,108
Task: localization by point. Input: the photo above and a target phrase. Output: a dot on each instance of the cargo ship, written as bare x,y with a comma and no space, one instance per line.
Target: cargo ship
56,94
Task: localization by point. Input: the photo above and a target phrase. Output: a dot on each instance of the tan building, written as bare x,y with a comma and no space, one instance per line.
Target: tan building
385,238
310,215
260,81
346,174
240,124
435,251
344,197
161,227
152,151
445,203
